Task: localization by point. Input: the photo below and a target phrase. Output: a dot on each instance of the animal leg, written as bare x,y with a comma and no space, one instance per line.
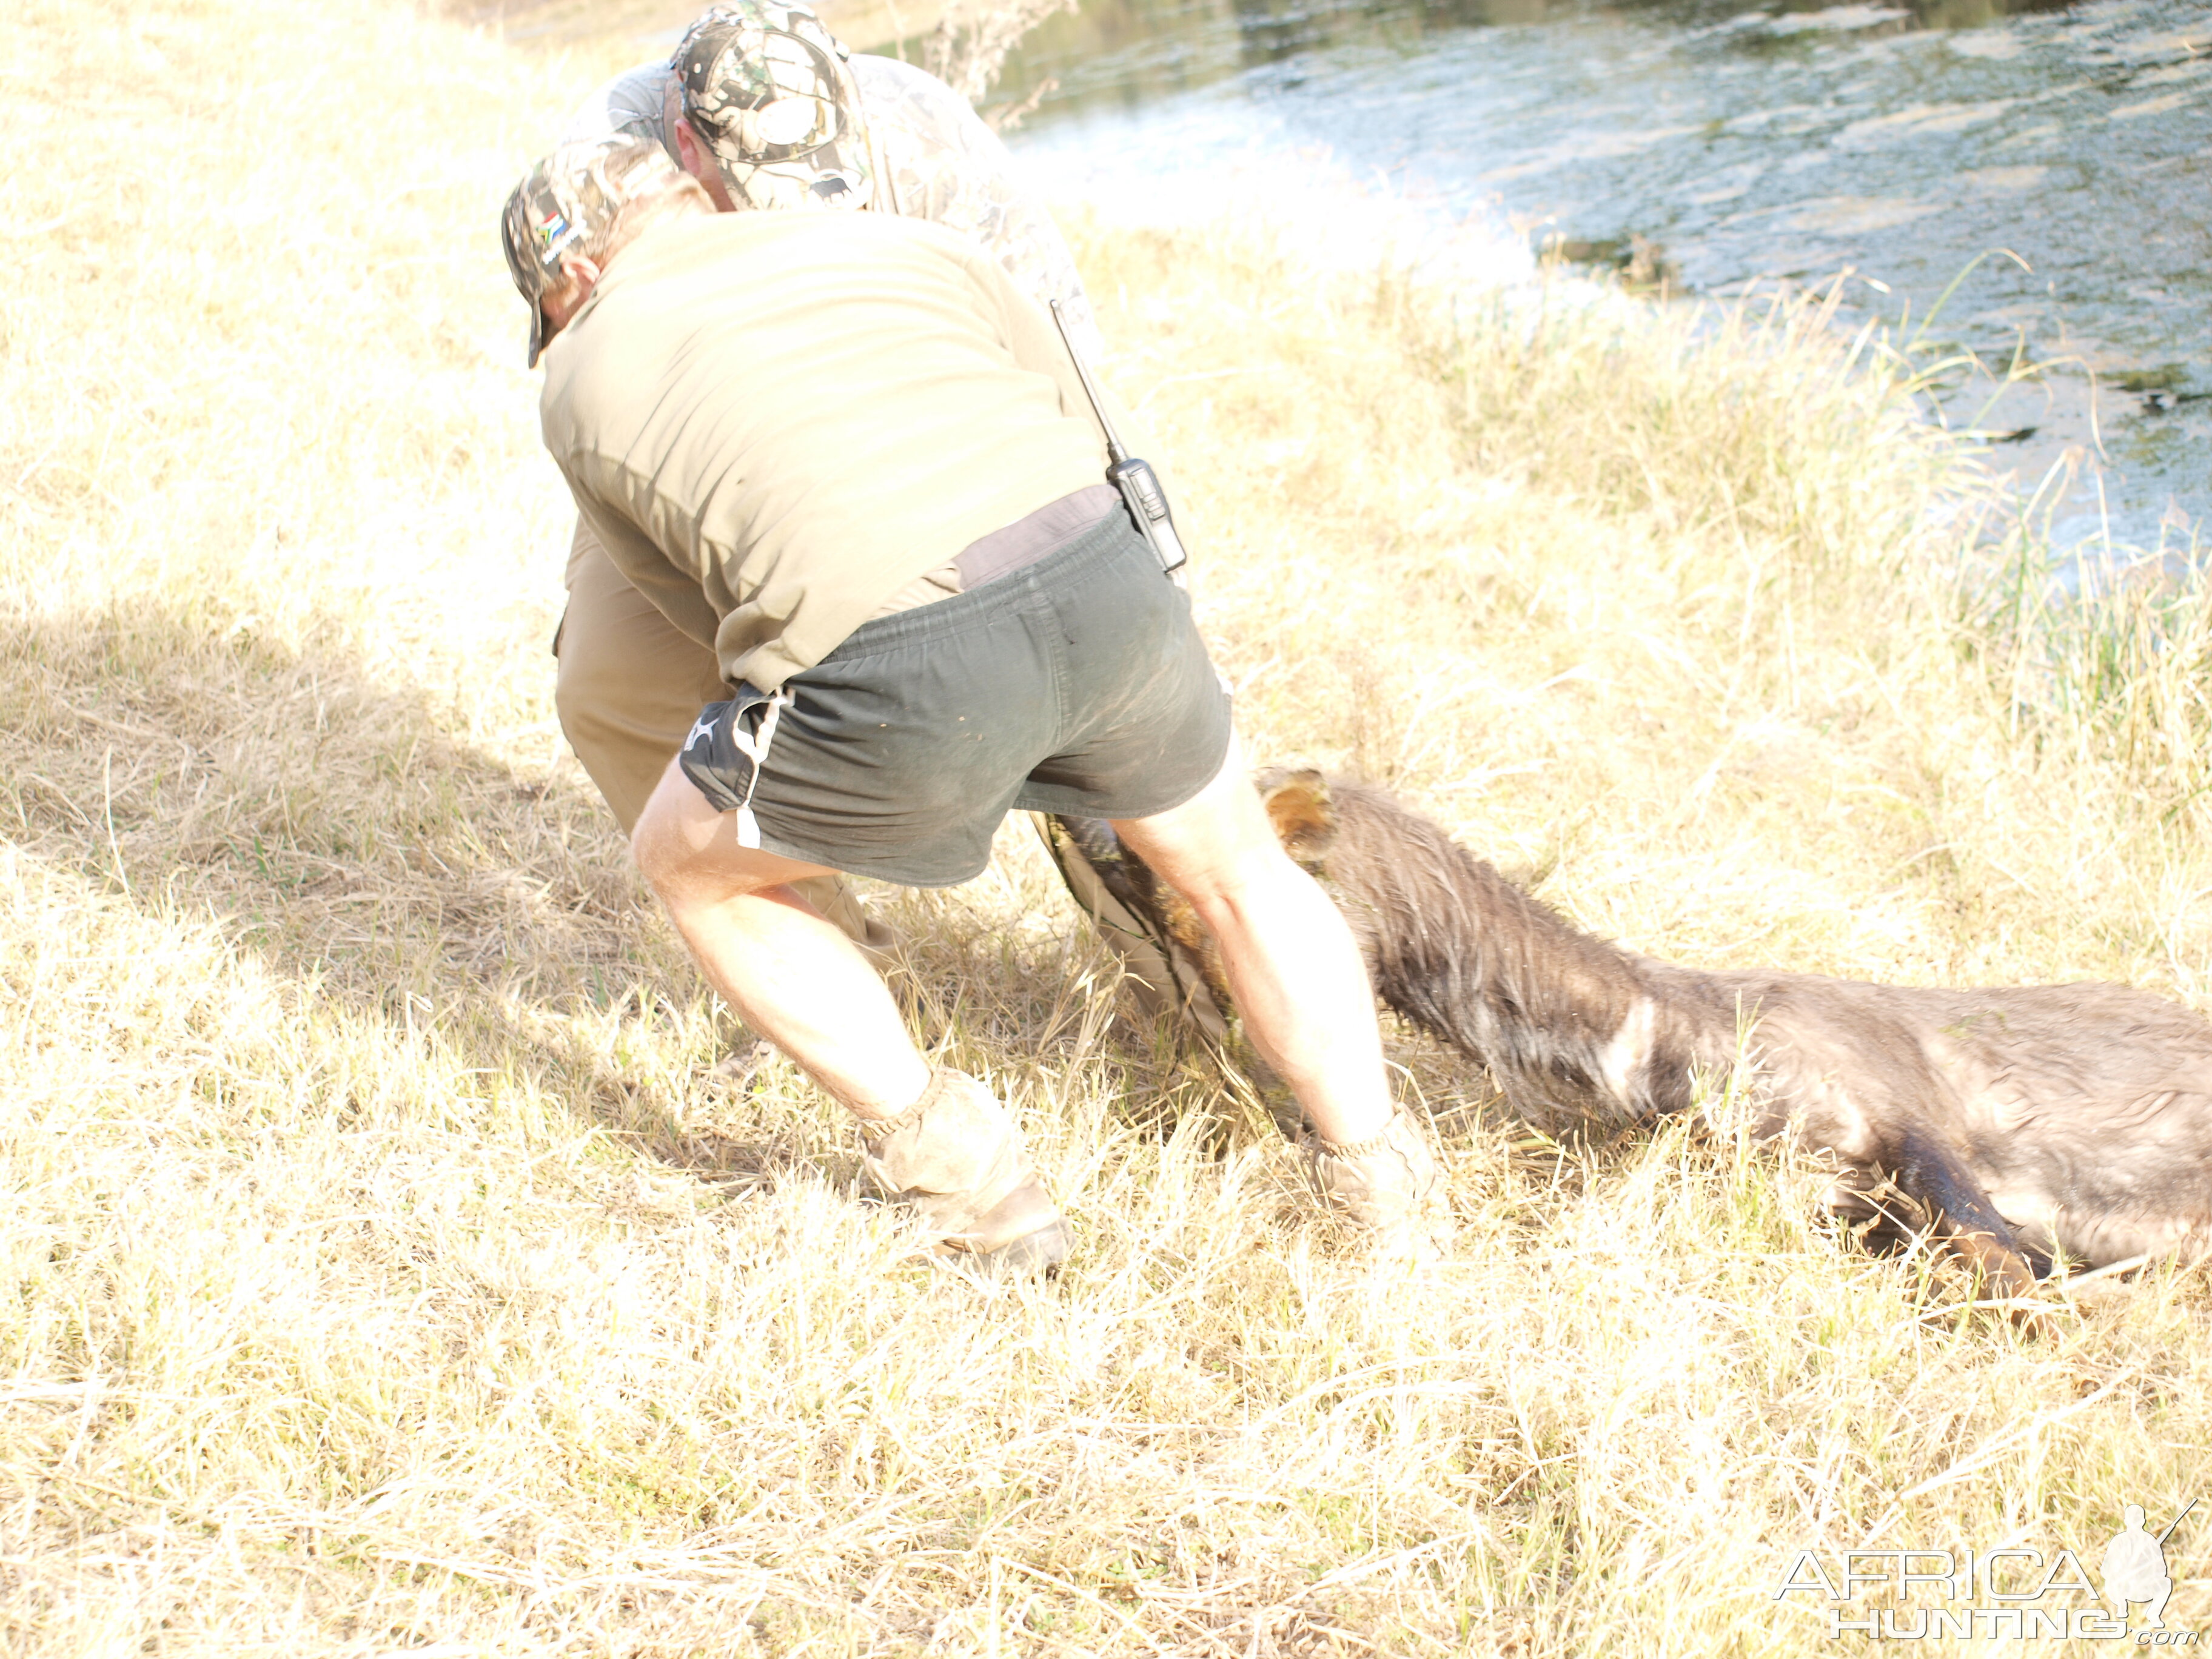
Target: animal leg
1167,969
1929,1174
1122,899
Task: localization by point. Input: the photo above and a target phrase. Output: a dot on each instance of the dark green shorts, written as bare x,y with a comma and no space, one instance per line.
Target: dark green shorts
1077,684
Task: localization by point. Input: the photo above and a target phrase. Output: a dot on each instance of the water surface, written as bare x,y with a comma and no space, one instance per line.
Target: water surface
1727,145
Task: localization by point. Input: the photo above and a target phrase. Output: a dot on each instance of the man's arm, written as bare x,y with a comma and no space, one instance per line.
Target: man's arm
1030,334
936,159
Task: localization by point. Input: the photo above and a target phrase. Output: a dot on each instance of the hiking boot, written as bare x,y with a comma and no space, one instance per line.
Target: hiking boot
1389,1185
957,1160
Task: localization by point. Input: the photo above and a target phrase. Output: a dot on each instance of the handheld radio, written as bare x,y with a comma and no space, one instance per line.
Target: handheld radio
1138,484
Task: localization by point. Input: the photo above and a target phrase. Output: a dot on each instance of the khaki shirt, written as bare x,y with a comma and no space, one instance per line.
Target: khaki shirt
774,421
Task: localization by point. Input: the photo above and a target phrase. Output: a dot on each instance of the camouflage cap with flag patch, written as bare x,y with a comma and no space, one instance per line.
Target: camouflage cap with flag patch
769,90
568,204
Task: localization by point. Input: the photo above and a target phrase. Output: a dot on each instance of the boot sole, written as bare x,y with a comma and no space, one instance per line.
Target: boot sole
1040,1252
1034,1255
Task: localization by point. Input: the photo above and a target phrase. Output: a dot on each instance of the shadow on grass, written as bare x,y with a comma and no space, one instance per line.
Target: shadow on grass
331,821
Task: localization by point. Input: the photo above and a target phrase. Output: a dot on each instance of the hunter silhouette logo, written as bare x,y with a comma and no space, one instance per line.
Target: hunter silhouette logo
2019,1593
2135,1567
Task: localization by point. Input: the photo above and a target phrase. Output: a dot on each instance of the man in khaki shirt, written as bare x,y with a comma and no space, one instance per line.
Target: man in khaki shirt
848,454
885,138
764,107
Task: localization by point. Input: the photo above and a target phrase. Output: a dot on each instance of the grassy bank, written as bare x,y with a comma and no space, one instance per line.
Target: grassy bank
393,1274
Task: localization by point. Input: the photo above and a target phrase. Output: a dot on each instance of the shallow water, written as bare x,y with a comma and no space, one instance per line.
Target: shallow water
1727,146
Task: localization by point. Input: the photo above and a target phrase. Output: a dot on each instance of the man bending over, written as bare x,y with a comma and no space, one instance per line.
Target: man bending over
847,454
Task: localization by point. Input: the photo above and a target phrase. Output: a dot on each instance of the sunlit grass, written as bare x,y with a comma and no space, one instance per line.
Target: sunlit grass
393,1271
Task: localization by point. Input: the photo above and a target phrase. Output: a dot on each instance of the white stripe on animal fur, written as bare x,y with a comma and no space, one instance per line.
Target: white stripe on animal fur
1622,1059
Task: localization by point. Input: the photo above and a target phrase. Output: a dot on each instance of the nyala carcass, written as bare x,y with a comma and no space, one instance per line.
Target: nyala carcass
2019,1124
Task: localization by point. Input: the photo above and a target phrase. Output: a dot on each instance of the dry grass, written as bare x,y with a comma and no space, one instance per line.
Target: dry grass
392,1273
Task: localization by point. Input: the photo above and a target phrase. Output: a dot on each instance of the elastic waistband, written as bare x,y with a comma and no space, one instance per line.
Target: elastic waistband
1111,538
1038,536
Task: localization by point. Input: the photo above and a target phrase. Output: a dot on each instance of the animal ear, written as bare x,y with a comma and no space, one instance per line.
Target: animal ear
1299,806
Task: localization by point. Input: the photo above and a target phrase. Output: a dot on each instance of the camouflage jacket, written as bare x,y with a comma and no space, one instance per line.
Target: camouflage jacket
934,159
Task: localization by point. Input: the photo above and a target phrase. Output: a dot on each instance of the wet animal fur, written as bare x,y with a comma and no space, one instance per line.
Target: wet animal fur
2018,1122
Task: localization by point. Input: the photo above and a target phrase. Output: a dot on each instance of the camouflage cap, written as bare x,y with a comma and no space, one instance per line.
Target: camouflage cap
568,203
768,88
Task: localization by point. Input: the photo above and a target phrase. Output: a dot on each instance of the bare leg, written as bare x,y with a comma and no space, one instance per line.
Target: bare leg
940,1142
1291,964
629,688
789,973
